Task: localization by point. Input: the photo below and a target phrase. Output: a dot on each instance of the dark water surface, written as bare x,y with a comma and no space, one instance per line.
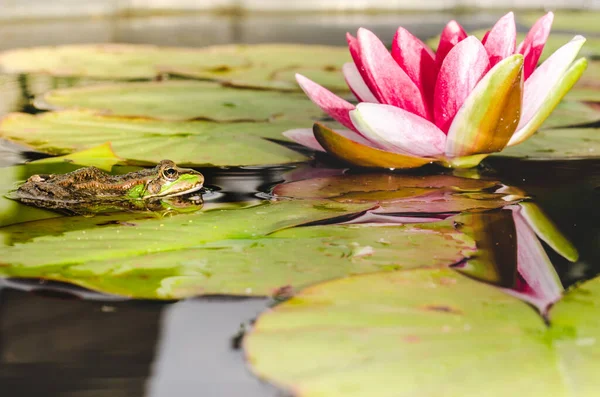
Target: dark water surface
58,340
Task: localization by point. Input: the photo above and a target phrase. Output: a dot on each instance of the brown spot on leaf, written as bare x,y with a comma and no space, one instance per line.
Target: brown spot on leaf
442,308
411,339
285,292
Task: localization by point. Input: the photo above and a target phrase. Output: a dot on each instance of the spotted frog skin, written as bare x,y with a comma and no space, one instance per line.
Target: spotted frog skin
90,187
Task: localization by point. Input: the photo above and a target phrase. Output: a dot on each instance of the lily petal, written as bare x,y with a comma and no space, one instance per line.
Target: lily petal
305,137
417,60
547,231
362,155
543,285
357,84
547,86
330,103
452,34
534,43
501,40
354,51
489,116
462,69
385,78
397,130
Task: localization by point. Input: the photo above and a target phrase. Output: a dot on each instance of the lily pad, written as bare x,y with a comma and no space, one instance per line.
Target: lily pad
262,66
401,193
569,113
584,94
240,252
147,141
101,156
274,66
111,61
573,21
426,332
12,212
558,144
184,100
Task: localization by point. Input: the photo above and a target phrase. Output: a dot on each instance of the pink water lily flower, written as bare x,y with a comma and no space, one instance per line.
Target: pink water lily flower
454,107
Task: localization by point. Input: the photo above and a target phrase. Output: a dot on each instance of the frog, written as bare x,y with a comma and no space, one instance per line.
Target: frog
88,189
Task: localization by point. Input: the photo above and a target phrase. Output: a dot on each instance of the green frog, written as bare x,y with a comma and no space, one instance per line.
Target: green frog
89,189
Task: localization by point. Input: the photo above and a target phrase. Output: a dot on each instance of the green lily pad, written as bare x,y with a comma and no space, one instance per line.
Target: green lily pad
574,21
584,94
558,144
112,61
101,156
184,100
591,76
12,212
262,66
426,332
147,141
241,252
274,66
569,113
401,193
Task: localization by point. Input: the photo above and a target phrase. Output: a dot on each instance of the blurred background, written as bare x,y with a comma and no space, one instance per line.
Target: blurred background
205,22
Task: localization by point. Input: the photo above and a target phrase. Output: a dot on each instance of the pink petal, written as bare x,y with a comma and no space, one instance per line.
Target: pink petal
461,70
417,60
330,103
452,34
357,84
501,40
534,42
542,287
386,79
305,137
397,130
543,80
485,37
354,50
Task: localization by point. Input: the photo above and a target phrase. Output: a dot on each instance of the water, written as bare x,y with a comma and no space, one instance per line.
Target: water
60,340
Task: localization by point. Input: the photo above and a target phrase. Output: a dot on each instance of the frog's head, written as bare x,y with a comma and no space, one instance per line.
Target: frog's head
168,180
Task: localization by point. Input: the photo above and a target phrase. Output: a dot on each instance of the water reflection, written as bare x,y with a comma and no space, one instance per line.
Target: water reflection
505,226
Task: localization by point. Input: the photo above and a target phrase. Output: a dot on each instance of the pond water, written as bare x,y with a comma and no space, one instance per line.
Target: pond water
59,339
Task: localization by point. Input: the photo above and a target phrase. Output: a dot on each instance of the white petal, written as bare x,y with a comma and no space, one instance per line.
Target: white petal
397,130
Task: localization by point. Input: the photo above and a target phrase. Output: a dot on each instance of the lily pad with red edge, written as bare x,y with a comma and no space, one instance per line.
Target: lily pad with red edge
426,332
147,142
187,100
402,193
254,251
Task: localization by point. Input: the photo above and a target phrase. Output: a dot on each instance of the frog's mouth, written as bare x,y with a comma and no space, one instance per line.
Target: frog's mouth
167,194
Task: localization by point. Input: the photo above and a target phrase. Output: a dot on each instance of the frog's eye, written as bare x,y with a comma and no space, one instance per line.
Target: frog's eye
170,173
